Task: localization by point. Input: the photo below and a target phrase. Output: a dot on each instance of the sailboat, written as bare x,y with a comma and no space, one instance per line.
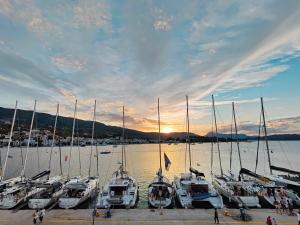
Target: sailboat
192,189
121,191
5,184
22,191
78,189
228,185
53,186
270,187
160,191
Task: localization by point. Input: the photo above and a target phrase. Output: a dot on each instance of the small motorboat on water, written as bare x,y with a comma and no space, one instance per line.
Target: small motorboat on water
53,189
160,193
105,152
193,191
120,192
76,191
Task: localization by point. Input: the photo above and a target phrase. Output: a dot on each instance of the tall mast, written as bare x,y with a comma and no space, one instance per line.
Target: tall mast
266,135
72,138
9,142
231,138
60,158
258,142
212,144
28,142
93,131
216,131
53,138
37,144
78,148
188,129
159,144
123,142
236,134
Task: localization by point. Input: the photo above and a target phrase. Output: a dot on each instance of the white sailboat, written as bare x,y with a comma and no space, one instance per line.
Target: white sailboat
53,186
22,191
5,184
160,191
229,186
122,190
78,189
192,189
271,187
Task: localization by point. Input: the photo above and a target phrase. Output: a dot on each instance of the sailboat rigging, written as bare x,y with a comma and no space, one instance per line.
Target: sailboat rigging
121,191
192,189
78,189
160,190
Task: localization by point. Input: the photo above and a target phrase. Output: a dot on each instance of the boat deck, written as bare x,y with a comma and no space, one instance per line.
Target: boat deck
143,216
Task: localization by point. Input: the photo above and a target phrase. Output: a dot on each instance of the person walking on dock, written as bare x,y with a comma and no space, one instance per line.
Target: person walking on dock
35,216
298,217
269,220
42,213
216,216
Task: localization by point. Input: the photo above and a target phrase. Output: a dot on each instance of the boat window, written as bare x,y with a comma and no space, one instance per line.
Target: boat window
115,191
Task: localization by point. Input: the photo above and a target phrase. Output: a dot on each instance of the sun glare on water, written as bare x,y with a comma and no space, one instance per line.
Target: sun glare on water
166,130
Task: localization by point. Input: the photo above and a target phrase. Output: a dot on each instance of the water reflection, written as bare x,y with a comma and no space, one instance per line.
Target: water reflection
143,163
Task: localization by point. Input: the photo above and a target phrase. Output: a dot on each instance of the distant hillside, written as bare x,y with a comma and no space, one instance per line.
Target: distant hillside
227,136
64,126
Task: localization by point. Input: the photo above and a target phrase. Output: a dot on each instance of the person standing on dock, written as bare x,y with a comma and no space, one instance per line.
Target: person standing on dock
298,217
35,216
216,216
269,220
42,213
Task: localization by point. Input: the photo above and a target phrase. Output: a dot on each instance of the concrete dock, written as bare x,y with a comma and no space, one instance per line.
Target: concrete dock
144,216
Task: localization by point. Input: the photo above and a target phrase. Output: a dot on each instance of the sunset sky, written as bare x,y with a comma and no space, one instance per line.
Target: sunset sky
132,52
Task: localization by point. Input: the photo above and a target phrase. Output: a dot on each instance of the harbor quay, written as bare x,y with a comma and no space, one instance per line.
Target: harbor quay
146,216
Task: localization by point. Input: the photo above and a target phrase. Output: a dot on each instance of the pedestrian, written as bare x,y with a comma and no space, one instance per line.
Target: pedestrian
42,213
291,207
274,221
216,217
269,221
298,217
35,216
277,206
242,213
283,204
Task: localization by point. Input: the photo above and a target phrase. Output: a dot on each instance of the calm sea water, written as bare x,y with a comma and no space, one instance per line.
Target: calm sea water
143,160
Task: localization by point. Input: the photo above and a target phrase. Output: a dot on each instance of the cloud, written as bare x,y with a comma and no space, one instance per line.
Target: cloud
162,23
92,13
288,125
28,13
68,64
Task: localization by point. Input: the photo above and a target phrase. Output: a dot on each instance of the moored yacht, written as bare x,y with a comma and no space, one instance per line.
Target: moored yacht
77,191
160,191
192,189
121,191
229,186
52,190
